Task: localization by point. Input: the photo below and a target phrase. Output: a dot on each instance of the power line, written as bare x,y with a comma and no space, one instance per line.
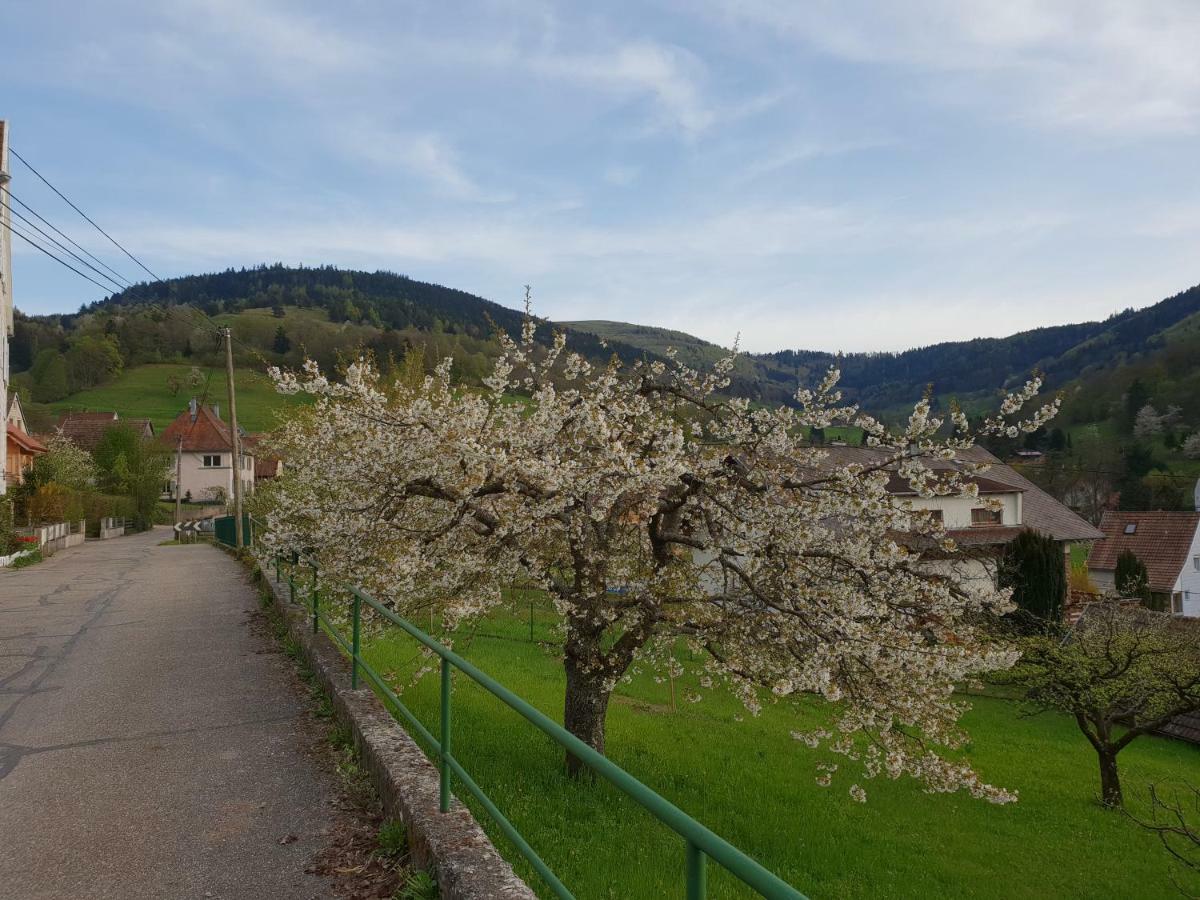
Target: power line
51,226
208,319
63,247
61,262
82,213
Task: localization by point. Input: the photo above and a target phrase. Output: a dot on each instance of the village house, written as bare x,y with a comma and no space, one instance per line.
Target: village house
86,429
20,446
979,529
266,466
203,444
1168,543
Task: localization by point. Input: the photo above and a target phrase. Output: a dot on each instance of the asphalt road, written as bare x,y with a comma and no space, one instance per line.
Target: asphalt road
153,742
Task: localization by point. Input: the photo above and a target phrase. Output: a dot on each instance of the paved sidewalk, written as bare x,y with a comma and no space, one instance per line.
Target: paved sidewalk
152,744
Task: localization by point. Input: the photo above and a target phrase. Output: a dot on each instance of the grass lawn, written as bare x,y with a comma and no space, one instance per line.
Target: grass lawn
753,785
142,392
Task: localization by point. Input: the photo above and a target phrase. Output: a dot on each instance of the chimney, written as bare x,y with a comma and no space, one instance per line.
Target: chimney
216,408
192,408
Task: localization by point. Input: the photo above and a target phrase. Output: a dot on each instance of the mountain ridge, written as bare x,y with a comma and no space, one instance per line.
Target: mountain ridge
388,312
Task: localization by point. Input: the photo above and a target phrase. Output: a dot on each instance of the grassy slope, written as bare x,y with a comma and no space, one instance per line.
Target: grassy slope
142,391
754,786
692,351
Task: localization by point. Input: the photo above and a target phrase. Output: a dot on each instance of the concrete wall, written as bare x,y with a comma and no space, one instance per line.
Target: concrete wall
1104,579
77,534
111,528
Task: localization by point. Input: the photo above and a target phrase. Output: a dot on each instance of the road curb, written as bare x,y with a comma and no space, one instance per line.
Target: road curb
452,845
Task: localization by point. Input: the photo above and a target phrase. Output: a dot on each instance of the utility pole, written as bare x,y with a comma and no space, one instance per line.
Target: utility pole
235,438
179,480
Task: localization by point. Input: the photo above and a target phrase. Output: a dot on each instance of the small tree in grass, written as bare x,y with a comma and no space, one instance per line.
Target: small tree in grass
1131,577
653,511
1034,567
1121,672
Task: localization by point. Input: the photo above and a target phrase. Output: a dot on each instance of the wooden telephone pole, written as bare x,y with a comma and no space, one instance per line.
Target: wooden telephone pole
235,438
178,479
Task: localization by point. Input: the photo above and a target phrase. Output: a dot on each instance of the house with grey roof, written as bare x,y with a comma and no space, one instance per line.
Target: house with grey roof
975,525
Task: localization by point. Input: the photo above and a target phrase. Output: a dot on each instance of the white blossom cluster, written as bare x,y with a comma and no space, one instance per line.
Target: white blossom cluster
654,511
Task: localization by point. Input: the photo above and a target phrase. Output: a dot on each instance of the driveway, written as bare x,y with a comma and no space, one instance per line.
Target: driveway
152,740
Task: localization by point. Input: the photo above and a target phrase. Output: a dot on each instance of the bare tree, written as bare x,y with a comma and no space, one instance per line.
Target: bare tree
1175,818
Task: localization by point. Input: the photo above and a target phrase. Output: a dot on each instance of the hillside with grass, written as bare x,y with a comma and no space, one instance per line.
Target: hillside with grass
160,392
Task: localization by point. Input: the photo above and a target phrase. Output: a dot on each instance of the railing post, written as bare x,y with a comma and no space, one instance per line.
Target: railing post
292,578
445,781
354,641
696,875
316,600
531,619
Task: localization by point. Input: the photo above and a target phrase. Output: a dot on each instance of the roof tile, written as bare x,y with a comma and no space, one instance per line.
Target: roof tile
1160,539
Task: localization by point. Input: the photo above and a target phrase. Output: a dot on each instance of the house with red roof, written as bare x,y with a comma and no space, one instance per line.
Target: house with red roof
1169,545
86,429
203,443
20,446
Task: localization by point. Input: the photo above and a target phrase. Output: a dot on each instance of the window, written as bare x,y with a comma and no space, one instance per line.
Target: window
936,516
212,460
1131,528
1177,603
1196,563
982,516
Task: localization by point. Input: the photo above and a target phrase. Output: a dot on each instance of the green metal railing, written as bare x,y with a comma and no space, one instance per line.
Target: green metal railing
701,843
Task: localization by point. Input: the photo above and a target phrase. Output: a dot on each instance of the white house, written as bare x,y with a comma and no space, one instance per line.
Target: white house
204,447
978,529
1169,545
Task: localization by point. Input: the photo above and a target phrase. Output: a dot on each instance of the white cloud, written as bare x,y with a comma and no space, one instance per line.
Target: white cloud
1122,66
669,75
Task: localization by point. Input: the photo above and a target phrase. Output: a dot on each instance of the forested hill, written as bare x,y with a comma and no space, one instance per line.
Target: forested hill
282,314
1063,353
384,300
971,369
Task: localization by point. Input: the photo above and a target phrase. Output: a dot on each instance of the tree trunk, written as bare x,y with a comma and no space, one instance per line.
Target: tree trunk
1110,780
584,710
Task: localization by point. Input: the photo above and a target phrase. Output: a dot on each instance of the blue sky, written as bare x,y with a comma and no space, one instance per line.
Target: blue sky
830,175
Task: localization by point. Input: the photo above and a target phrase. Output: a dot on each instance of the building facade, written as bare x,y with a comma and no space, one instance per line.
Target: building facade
20,447
1168,543
203,445
6,294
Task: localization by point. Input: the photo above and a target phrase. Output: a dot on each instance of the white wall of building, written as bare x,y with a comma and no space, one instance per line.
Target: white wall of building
956,511
1188,583
200,479
6,299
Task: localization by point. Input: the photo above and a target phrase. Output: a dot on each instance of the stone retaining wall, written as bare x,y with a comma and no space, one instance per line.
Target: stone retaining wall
451,845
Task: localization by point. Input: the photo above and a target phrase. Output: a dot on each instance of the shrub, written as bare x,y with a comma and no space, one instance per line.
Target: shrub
1033,566
1131,577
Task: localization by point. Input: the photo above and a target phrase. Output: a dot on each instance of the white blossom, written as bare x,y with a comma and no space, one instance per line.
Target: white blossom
653,511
